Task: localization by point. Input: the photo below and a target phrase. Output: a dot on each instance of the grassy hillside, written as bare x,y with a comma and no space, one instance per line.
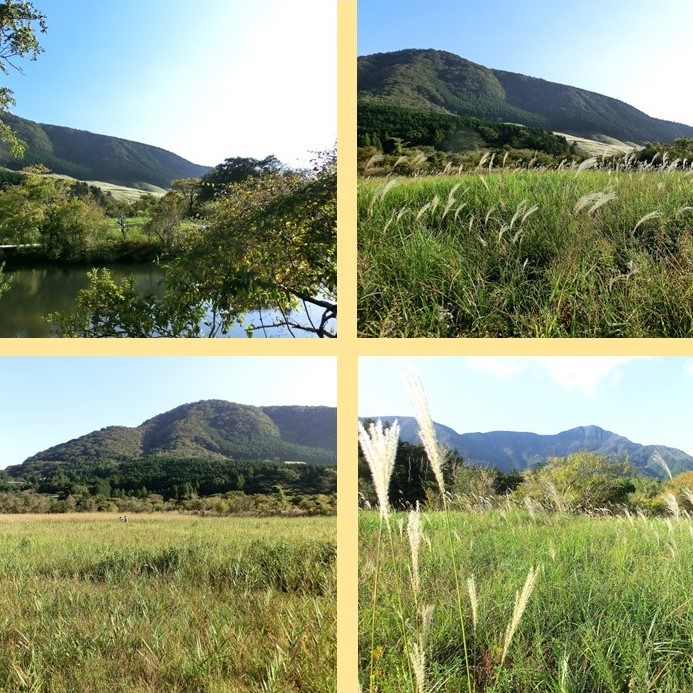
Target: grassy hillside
441,82
88,156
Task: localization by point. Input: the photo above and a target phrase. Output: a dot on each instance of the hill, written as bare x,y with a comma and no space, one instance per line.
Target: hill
440,82
209,429
87,156
508,450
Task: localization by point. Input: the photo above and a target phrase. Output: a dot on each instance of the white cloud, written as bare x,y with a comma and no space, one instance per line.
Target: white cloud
584,373
501,367
688,367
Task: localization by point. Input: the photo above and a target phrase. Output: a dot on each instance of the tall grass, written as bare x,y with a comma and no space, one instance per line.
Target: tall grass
560,253
611,610
605,605
167,603
414,608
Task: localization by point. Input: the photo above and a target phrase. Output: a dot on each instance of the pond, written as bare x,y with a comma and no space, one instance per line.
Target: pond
37,291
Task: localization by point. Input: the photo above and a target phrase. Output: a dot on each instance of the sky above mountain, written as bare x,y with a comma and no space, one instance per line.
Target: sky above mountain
647,400
632,50
206,80
51,400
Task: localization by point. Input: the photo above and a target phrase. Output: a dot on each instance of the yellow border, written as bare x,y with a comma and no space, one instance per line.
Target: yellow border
347,349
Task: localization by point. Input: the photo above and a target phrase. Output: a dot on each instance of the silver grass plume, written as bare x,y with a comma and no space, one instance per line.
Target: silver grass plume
415,534
520,605
473,600
379,446
417,651
659,460
427,432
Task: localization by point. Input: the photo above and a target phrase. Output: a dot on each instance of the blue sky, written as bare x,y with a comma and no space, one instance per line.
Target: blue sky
635,50
52,400
207,80
648,400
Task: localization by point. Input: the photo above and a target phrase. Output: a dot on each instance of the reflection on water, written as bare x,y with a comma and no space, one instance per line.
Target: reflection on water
38,291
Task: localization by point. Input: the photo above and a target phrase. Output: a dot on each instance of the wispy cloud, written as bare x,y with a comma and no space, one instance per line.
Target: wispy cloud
584,373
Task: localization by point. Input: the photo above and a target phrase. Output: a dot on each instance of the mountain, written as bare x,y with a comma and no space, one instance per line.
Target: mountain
509,450
86,156
211,429
441,82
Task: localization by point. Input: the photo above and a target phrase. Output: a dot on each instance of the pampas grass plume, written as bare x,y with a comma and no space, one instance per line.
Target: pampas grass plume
521,601
426,430
379,446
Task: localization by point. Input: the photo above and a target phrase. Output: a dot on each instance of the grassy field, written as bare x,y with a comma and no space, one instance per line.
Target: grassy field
167,603
611,609
524,253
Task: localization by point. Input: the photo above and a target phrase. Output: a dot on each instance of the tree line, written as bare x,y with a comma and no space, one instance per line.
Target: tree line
173,477
583,482
388,128
156,483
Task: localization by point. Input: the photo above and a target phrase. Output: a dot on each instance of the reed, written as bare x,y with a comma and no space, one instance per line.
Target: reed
535,253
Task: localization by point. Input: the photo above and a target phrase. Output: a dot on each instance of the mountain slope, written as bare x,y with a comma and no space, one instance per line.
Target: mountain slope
431,80
87,156
509,450
212,429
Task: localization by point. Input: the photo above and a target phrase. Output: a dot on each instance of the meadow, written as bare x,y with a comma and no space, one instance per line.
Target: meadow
527,253
167,603
595,604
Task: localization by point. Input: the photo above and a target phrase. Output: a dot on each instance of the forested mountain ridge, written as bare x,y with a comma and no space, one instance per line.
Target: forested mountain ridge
88,156
209,429
510,450
442,82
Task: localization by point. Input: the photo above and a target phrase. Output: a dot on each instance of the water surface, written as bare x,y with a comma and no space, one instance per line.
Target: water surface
38,291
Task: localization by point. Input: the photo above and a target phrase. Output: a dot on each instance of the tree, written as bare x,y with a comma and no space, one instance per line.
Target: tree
188,189
580,482
120,210
273,240
235,170
23,209
166,219
19,23
69,225
268,243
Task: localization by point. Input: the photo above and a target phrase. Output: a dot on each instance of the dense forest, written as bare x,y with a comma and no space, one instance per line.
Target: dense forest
176,477
210,486
388,127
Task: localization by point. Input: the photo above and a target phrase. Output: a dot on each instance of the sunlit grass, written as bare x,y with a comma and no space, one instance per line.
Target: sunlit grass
610,609
167,602
527,254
